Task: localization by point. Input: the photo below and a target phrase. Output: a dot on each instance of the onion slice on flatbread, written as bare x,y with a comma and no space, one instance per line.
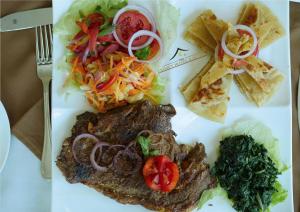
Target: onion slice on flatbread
261,19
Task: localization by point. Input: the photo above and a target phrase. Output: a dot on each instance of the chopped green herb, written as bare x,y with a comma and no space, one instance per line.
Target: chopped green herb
143,53
247,173
145,145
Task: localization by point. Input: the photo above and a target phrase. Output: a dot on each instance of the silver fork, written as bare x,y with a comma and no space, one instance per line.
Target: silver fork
43,36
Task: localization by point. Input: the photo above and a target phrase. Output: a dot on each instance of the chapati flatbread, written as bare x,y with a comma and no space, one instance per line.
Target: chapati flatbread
196,41
217,71
265,75
215,26
261,19
211,102
253,91
198,29
189,89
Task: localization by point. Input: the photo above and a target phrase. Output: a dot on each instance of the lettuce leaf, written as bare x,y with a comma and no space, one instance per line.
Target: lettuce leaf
168,17
158,90
66,27
210,194
280,195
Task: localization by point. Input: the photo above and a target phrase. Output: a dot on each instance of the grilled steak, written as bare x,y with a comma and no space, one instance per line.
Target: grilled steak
121,125
127,187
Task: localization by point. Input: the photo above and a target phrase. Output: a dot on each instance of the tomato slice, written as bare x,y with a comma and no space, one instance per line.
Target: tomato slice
239,63
160,173
241,32
154,49
220,52
129,23
256,51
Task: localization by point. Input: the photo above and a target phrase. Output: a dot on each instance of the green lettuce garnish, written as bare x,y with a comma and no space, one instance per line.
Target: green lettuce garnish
66,27
145,146
280,195
143,53
210,194
158,89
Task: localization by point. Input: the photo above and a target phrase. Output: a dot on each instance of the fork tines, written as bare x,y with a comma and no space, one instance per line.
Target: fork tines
43,36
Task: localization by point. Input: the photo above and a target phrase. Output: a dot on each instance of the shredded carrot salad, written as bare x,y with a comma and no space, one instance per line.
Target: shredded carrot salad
114,81
103,68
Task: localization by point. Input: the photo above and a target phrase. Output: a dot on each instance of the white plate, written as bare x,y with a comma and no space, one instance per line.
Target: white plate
4,136
189,127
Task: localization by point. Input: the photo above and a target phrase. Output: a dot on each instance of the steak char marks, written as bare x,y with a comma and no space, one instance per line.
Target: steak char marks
131,189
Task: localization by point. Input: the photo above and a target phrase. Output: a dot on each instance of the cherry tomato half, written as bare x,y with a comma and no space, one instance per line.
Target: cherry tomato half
129,23
160,173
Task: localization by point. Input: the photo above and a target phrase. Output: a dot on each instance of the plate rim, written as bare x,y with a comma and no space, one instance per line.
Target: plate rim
3,115
289,105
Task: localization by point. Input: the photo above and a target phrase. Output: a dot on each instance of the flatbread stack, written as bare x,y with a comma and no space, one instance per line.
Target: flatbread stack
260,81
207,94
261,19
206,31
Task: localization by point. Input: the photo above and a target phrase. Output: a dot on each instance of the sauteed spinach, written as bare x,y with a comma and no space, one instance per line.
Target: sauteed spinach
246,172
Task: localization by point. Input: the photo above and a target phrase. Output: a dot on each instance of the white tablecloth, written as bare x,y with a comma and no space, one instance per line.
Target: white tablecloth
22,189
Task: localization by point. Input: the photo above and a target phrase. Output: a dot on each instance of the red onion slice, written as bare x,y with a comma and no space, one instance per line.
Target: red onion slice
150,34
236,72
99,145
78,138
250,52
142,10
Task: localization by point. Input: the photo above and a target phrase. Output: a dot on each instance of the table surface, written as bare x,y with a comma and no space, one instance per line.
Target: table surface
21,186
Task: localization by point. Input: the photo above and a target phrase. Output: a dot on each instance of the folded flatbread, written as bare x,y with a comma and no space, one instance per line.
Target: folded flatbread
207,94
265,75
188,36
215,26
253,90
206,31
198,29
260,18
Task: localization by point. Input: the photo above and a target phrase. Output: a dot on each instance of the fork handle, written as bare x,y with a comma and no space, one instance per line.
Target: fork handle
46,156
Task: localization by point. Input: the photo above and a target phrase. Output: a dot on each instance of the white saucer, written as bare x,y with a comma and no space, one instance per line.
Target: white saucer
4,136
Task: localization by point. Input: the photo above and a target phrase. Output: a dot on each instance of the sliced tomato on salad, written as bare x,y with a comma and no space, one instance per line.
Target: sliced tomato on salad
161,173
129,23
